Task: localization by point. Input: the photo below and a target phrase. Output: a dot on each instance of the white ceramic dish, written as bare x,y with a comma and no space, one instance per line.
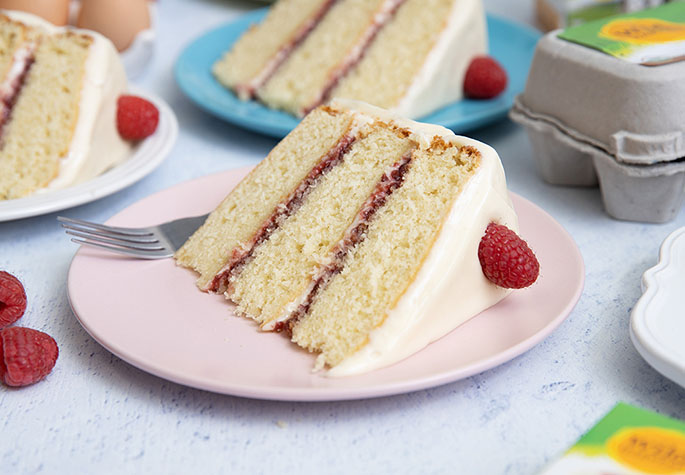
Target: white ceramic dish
138,56
657,326
145,157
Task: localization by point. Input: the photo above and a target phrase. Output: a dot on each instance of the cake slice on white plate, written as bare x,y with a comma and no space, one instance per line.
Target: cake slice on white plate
58,98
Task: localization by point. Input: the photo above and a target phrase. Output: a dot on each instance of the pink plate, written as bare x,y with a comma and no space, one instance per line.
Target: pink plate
150,314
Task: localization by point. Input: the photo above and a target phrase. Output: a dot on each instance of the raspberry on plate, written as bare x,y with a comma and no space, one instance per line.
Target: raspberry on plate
506,259
485,78
12,299
26,355
137,118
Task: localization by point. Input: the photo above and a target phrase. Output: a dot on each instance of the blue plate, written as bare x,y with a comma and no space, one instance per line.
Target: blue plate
510,43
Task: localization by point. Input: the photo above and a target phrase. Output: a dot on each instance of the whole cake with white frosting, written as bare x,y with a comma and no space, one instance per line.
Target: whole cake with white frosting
358,236
408,56
58,93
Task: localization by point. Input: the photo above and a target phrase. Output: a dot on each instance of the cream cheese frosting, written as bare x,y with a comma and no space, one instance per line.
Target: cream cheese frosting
450,288
96,145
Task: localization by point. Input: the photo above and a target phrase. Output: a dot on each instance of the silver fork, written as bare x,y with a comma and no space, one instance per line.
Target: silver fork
153,242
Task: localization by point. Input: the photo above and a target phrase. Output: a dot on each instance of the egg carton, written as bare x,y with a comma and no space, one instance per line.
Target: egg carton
593,119
652,193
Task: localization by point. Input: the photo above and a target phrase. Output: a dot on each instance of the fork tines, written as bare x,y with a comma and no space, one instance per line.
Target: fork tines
130,241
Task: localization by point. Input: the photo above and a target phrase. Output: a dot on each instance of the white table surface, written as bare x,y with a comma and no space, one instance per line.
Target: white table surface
97,414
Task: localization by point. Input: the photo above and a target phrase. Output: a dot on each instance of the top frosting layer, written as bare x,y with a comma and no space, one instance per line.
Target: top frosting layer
450,287
96,145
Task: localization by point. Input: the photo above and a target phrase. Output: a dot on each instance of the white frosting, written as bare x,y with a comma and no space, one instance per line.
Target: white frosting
450,288
96,145
441,78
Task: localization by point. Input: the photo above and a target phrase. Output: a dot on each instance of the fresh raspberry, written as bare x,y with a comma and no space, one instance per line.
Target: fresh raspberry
506,259
137,118
26,355
12,299
485,78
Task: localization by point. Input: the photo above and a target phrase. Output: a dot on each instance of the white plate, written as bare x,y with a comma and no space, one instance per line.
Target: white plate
657,322
145,157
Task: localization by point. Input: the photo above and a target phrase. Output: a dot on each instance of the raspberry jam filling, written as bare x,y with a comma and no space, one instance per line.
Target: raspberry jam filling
386,14
241,255
391,180
11,86
249,89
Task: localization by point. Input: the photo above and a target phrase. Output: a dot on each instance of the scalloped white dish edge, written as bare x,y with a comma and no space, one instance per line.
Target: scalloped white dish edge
659,311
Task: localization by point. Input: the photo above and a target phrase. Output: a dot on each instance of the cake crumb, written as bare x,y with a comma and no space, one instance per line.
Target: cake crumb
281,424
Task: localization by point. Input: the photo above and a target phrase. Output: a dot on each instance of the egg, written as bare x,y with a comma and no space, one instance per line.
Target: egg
54,11
119,20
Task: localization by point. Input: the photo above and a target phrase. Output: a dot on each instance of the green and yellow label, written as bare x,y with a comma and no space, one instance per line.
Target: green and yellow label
651,37
643,31
649,450
634,438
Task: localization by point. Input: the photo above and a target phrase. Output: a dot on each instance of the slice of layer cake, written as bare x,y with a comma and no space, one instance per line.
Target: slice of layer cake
58,92
357,235
409,56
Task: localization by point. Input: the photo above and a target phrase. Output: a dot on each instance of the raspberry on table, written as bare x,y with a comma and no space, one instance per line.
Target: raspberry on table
12,299
506,259
26,355
137,118
485,78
